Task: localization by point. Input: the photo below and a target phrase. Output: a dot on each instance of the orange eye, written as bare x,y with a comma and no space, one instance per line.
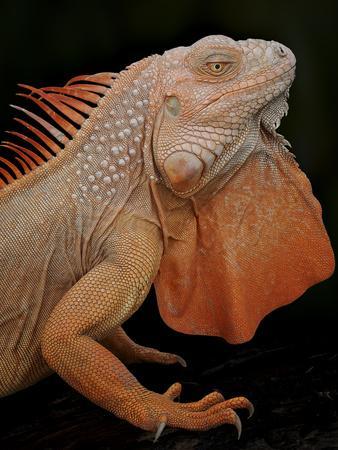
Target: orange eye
217,68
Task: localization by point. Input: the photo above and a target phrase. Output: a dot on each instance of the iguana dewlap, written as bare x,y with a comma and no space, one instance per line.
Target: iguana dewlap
170,172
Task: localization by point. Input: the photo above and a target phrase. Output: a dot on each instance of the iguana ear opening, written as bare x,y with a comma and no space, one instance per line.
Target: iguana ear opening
256,245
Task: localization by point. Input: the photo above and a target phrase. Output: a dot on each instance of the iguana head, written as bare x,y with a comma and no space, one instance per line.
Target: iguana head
243,231
213,93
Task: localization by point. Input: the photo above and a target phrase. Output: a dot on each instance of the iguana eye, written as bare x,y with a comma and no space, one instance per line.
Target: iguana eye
215,63
218,68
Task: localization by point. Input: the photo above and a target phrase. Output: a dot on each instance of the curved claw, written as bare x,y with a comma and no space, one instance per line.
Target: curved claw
251,410
181,361
238,425
160,428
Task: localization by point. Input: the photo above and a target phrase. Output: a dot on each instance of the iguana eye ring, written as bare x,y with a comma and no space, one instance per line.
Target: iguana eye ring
218,68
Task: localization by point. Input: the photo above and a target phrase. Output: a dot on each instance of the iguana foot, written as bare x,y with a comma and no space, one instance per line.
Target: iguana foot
154,411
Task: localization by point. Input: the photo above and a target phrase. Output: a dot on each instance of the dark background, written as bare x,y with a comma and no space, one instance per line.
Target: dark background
290,368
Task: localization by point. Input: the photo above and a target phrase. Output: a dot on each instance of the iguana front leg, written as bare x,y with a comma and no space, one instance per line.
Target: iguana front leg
100,301
128,351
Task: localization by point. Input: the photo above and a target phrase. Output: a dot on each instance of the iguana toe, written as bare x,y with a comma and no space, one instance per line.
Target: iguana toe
147,354
173,391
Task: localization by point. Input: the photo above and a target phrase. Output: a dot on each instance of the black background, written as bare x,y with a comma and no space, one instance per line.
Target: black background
290,368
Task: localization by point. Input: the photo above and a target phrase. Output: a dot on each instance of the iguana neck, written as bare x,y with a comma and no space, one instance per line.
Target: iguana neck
105,159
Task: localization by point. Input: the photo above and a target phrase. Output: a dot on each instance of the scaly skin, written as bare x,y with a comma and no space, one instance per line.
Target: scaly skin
83,235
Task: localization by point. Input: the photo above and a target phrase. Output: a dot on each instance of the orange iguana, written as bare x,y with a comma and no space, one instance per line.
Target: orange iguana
170,172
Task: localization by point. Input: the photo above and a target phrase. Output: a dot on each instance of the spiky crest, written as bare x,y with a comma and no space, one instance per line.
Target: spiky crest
66,108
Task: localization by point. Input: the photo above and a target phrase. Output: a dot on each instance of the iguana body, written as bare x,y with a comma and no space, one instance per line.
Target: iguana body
177,174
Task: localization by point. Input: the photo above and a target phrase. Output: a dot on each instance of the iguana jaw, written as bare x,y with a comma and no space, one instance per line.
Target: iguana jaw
191,169
185,168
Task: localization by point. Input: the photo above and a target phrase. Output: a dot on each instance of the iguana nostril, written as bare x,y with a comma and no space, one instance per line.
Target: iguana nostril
281,51
183,170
